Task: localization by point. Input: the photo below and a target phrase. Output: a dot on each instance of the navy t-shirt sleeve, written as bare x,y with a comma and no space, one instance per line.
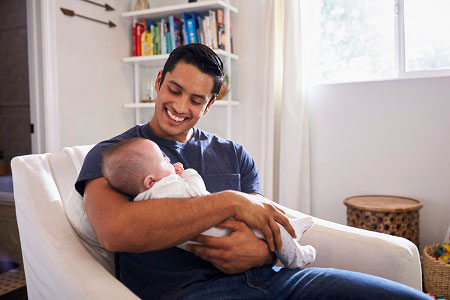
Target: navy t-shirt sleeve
92,166
249,172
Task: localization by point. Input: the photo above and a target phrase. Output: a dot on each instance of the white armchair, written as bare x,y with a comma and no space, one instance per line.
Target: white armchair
60,265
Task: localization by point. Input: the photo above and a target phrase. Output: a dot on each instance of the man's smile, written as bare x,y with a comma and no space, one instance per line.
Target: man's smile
174,117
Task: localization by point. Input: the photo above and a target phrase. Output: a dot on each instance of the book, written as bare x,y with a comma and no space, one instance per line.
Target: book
158,37
153,30
137,38
168,38
163,37
213,24
134,34
146,43
231,36
176,34
178,25
191,33
186,31
197,21
147,39
172,32
221,39
184,35
207,31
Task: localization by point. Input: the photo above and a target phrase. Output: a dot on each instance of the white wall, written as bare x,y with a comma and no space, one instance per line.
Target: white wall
93,83
249,37
385,137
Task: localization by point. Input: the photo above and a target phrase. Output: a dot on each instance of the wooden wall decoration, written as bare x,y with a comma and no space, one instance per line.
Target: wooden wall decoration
71,13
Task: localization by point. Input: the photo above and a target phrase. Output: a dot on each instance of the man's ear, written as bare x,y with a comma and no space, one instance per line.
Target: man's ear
158,81
148,181
209,106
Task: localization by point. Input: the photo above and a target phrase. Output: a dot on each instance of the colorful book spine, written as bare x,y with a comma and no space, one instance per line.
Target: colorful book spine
221,39
140,28
231,36
172,32
158,38
168,39
197,21
186,32
213,23
163,37
178,26
207,31
154,39
191,34
146,44
134,33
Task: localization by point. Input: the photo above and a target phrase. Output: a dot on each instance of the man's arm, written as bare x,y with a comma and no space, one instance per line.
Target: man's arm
122,225
236,253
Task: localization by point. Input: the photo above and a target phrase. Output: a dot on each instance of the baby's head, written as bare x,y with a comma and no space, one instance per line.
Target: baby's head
134,165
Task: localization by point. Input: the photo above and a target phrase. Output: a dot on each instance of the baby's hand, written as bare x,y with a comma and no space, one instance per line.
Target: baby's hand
178,168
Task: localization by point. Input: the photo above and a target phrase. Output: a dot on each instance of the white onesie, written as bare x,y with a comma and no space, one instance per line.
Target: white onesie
190,184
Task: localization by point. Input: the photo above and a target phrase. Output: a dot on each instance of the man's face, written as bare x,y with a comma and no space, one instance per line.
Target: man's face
181,102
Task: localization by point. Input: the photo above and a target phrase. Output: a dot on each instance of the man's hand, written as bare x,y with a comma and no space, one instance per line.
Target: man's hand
233,254
178,168
259,212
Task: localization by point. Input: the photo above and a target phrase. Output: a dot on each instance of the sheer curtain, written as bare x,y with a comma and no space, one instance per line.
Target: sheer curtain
285,132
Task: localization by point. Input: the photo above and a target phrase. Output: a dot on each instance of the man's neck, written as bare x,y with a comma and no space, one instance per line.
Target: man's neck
182,138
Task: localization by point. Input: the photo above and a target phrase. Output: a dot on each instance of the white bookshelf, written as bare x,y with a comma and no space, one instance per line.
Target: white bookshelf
157,61
178,9
160,59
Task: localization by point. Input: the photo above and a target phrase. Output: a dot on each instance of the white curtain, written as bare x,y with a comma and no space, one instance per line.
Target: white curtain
285,132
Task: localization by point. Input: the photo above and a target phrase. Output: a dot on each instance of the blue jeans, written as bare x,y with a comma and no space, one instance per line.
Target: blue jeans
311,283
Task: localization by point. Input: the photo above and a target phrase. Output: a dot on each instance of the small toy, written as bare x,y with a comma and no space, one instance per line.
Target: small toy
436,297
443,252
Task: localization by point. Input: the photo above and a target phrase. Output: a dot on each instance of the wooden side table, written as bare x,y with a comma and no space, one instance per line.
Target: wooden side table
393,215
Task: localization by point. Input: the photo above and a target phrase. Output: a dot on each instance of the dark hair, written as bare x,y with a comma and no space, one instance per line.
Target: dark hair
200,56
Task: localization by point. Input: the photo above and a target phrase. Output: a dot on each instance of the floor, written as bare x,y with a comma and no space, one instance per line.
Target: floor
12,285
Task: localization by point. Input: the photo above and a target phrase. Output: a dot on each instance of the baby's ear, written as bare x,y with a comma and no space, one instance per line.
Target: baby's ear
148,181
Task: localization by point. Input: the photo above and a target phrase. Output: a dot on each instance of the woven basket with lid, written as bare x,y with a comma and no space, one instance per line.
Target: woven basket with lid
393,215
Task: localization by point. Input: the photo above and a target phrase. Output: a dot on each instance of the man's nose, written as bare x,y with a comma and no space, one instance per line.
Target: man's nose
181,105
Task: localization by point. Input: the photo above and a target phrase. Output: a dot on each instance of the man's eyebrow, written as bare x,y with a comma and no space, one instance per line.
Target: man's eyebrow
182,88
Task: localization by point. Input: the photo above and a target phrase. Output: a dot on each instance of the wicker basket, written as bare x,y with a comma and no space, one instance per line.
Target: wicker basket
436,273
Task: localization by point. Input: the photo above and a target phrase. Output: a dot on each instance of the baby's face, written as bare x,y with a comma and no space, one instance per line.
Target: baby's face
163,167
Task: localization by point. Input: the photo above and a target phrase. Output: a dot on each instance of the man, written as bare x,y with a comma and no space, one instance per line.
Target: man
144,232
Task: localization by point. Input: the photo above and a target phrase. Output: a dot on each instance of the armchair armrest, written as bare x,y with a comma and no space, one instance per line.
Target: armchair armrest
348,248
57,265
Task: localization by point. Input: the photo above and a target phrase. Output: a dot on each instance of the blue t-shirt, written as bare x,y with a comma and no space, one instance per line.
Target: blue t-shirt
222,164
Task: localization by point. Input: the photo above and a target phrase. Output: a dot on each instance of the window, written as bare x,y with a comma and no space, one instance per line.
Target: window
358,40
427,41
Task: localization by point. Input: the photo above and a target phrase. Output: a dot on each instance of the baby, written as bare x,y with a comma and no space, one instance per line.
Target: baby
138,167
